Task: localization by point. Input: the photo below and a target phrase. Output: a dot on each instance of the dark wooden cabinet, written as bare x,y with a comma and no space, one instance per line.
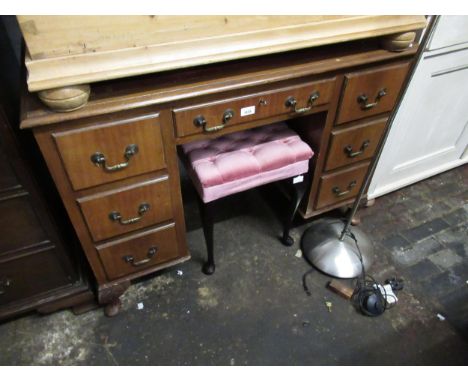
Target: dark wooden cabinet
37,269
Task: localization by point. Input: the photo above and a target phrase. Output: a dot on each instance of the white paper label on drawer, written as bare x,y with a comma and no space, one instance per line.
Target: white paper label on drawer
249,110
298,179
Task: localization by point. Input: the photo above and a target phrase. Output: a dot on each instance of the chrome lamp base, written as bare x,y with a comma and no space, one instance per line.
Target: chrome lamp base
322,247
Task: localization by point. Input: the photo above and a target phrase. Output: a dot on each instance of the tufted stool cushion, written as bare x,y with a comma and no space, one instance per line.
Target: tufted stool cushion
239,161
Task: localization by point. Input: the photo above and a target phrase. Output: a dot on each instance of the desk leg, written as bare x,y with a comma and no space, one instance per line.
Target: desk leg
370,202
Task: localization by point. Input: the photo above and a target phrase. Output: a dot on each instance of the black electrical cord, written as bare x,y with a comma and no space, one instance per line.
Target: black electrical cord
366,292
304,281
367,295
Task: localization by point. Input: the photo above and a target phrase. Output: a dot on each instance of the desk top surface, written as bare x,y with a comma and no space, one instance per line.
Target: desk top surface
178,85
70,50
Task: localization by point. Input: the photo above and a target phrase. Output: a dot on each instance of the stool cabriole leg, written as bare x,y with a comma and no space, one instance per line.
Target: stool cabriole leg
298,191
206,212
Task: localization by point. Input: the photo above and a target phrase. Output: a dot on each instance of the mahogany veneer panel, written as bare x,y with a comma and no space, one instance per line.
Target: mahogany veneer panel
262,105
369,83
77,147
162,240
356,138
126,201
342,180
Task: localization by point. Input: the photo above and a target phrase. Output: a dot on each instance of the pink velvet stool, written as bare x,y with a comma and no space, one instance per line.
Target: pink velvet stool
240,161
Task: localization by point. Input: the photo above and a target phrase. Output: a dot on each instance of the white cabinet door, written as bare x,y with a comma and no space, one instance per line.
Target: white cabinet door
430,131
451,31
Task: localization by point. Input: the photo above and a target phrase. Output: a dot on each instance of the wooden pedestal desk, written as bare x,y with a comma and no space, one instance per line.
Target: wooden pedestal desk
114,161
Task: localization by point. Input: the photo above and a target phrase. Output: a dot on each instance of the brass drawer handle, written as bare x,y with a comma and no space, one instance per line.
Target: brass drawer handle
362,99
100,160
338,193
349,150
150,254
200,121
116,216
5,283
292,102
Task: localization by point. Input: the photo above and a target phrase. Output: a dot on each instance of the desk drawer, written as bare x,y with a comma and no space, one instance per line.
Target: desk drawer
133,254
97,155
371,92
339,186
127,209
355,144
20,227
220,114
31,275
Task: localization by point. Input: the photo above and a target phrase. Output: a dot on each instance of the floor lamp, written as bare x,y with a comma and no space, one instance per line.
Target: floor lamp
332,245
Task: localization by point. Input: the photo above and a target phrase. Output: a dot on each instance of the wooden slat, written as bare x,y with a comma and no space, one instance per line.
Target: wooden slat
69,50
57,36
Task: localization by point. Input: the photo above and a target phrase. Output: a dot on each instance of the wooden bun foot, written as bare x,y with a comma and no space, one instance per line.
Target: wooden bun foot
346,210
356,220
398,42
113,308
109,296
65,99
370,202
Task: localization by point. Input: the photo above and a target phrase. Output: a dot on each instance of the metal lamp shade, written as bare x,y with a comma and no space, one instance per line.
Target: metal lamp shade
322,247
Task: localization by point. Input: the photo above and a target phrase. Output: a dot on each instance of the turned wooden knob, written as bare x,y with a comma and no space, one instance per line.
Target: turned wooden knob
65,99
397,42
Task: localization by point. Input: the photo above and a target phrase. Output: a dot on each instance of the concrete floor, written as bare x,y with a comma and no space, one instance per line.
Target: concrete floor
253,310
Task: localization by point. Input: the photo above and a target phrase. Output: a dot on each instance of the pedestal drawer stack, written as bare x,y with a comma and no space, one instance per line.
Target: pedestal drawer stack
366,99
121,187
